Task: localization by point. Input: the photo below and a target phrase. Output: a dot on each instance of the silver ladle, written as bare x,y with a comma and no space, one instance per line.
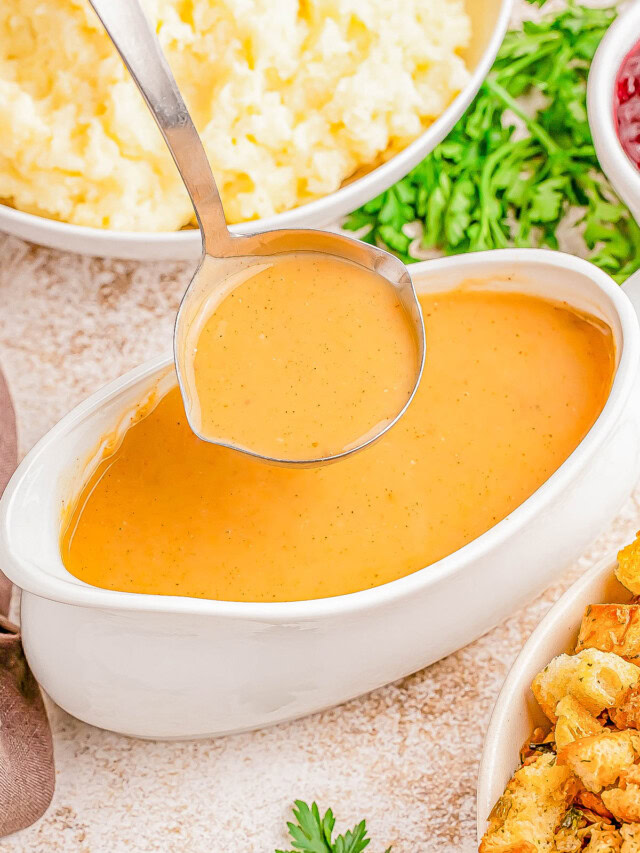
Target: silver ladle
223,253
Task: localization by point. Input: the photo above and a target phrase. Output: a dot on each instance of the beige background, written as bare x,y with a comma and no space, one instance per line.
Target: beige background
404,757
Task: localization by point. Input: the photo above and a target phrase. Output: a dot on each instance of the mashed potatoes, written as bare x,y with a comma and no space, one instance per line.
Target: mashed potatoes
290,96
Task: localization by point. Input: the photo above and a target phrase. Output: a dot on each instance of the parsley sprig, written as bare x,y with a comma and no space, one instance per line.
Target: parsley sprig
313,834
508,173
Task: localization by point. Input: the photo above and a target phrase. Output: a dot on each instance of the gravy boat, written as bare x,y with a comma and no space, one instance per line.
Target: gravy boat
175,667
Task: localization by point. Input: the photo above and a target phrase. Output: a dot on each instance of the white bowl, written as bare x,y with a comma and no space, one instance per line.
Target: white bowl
619,39
160,666
489,23
516,712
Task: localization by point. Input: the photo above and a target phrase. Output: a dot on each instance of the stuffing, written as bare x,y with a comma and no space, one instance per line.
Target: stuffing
591,804
611,628
630,833
527,815
599,760
570,834
626,713
575,832
623,801
596,679
604,839
540,740
628,568
567,841
573,722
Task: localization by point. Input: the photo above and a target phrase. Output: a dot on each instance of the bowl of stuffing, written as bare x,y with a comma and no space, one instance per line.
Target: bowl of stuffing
306,110
560,770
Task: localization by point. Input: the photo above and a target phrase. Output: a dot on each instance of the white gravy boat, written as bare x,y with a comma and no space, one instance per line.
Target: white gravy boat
175,667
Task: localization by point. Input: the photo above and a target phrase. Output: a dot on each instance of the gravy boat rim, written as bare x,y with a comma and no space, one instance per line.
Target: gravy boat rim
40,581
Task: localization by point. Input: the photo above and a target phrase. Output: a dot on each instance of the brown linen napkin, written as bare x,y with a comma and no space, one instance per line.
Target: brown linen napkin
26,750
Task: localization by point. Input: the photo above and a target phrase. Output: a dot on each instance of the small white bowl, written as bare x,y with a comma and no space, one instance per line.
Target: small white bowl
165,666
516,712
489,19
619,39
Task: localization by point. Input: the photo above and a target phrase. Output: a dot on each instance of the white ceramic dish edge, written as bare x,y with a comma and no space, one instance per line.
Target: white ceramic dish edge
186,245
619,39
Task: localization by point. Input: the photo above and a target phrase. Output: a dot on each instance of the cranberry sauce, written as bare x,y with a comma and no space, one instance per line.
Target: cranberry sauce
627,104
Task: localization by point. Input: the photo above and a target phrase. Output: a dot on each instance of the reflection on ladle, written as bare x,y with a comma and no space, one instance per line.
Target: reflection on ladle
229,259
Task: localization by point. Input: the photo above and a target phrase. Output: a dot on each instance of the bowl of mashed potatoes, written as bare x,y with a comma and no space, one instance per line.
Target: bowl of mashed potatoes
306,110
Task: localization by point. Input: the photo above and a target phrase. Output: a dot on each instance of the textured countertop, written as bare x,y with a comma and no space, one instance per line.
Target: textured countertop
405,757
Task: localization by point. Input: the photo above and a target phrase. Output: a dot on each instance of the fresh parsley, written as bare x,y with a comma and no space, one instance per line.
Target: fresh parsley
519,158
313,834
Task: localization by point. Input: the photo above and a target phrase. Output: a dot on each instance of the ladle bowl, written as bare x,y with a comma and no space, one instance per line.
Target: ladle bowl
224,254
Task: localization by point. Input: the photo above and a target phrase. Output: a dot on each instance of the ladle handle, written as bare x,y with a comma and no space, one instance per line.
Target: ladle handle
131,33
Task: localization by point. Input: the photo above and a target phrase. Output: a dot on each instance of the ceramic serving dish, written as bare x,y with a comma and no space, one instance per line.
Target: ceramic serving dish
516,712
619,39
168,667
489,23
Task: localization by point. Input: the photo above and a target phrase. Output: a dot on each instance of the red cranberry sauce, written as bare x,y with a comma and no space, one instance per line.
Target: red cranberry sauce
627,106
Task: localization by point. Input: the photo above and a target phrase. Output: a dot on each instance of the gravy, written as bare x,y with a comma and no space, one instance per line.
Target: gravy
303,359
512,384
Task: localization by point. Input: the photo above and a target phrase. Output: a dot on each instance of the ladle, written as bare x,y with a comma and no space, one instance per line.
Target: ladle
223,253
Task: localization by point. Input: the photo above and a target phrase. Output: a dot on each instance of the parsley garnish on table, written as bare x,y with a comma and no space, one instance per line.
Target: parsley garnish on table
490,185
313,834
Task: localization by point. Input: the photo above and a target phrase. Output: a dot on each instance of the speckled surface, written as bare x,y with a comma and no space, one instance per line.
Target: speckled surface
404,757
